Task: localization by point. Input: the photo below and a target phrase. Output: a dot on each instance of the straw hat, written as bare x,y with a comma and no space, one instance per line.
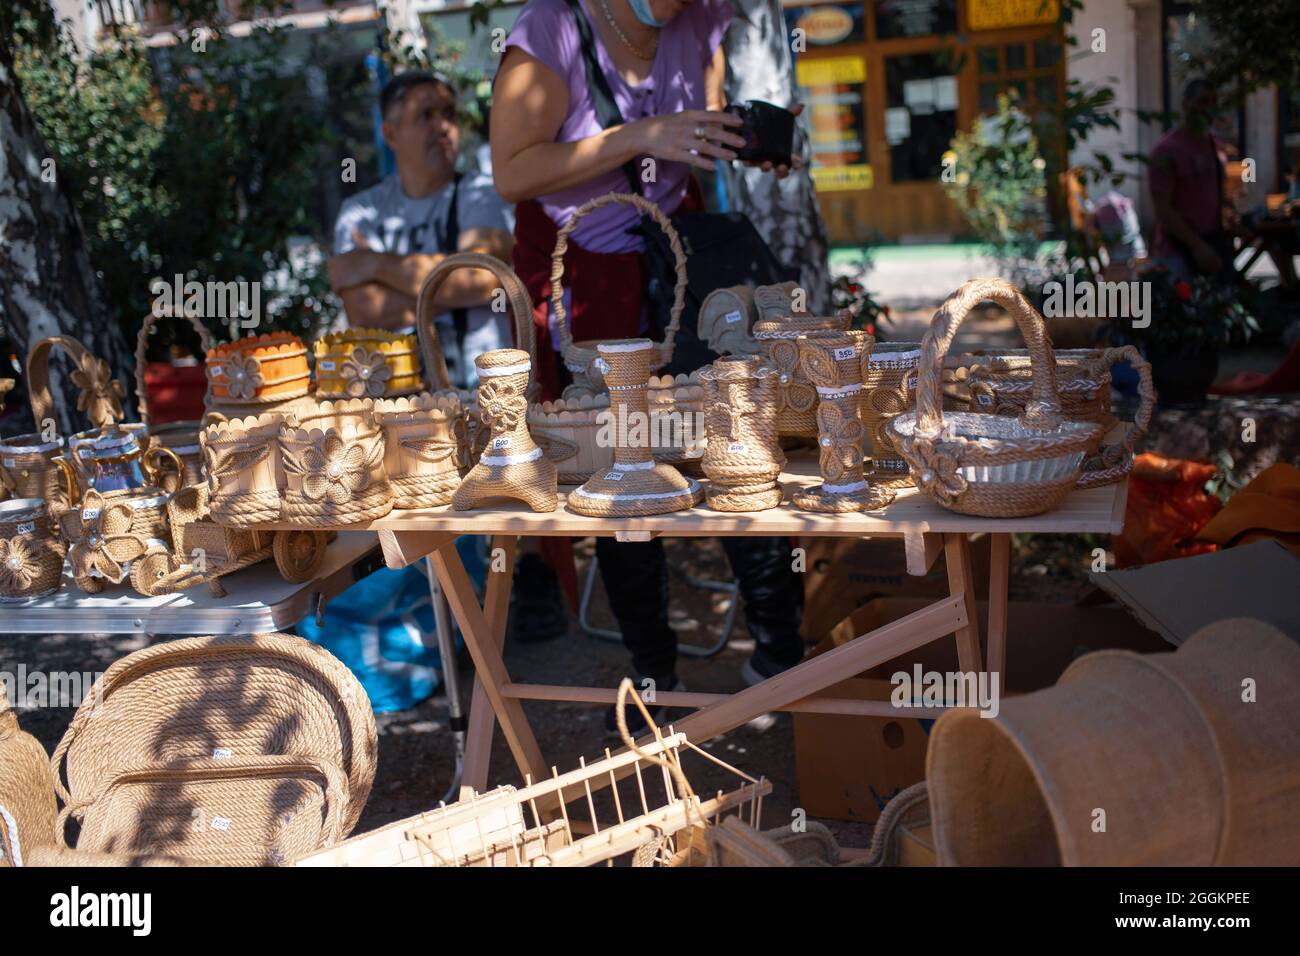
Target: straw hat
1183,759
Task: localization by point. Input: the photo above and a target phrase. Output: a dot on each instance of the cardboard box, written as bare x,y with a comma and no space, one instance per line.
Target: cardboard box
849,767
844,574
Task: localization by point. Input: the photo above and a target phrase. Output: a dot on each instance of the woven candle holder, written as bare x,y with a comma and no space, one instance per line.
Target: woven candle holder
834,362
421,449
636,484
31,551
743,457
888,390
106,533
796,410
512,464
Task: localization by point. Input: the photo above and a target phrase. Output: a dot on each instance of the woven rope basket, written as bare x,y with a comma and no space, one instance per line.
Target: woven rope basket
244,470
366,363
31,549
888,390
333,460
580,358
990,465
27,807
207,697
250,373
422,448
239,811
1187,770
106,533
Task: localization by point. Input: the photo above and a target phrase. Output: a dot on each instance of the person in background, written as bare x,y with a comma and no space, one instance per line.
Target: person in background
388,238
664,65
1186,182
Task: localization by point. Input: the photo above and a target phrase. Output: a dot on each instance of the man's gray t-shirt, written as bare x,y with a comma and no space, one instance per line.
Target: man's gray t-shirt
391,221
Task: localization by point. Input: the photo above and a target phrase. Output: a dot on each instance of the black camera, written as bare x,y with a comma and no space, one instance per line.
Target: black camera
768,132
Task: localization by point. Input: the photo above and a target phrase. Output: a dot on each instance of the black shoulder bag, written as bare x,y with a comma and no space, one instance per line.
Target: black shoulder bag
723,249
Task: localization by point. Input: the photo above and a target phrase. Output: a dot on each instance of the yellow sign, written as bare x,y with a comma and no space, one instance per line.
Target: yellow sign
831,179
831,71
997,14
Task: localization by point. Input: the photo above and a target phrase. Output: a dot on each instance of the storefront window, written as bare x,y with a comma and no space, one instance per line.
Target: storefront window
1030,70
915,18
920,114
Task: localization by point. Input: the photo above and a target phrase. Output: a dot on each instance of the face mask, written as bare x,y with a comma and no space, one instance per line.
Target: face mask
641,10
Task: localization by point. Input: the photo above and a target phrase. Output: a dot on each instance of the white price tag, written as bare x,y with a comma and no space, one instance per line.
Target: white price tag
89,514
216,371
221,753
737,447
733,316
27,527
614,476
325,365
11,463
984,398
911,382
847,352
220,823
502,442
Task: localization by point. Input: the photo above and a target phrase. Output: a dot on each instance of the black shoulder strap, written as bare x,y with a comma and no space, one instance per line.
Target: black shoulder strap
602,97
448,242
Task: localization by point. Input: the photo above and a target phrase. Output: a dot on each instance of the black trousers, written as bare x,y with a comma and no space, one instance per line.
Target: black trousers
636,579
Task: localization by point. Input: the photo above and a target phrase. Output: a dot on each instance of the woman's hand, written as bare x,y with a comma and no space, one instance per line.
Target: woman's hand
783,170
691,136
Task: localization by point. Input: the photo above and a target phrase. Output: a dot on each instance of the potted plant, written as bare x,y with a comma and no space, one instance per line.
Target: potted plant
1188,323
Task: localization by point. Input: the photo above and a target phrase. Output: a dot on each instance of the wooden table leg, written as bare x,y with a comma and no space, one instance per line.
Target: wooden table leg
961,583
999,582
482,722
488,663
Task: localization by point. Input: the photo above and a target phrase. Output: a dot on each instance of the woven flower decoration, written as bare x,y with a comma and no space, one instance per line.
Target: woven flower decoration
243,375
105,543
500,405
366,373
101,394
936,471
336,470
794,394
18,567
841,441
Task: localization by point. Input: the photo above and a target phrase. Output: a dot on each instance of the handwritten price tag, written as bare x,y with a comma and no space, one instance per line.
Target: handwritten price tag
502,442
847,352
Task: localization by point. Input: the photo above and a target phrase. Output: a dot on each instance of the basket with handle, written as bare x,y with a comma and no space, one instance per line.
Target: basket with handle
580,358
1002,385
182,438
991,465
220,697
237,811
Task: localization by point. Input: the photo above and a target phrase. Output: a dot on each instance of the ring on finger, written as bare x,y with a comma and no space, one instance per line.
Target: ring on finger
700,132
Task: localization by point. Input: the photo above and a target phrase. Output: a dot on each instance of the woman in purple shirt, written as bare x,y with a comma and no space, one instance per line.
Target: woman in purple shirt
663,62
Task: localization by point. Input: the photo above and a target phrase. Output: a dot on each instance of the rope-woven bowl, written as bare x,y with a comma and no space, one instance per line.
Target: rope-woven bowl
991,465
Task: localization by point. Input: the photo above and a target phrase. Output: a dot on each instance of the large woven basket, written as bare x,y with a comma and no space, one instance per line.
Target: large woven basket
27,807
181,438
236,811
218,697
991,465
366,363
580,358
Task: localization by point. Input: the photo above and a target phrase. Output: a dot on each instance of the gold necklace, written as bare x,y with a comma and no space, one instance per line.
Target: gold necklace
604,5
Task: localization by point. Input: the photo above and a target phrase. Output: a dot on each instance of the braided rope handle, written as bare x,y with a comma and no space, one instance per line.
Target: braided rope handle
142,345
1043,412
521,304
1146,391
229,768
174,653
38,379
562,246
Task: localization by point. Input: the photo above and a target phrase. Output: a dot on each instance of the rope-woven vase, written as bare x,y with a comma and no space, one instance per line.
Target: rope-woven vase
31,550
834,363
512,464
796,413
888,390
636,484
743,457
32,467
991,465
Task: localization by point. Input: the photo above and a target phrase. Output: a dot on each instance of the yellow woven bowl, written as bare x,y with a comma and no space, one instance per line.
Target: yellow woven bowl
366,363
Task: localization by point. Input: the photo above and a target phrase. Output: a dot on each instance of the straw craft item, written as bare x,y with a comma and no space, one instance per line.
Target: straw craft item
677,429
255,371
725,320
100,396
244,471
333,462
580,358
1003,385
107,532
366,363
635,484
833,363
62,857
567,431
237,696
31,550
1188,770
990,465
743,458
27,807
421,448
796,412
31,467
181,438
512,464
120,457
888,390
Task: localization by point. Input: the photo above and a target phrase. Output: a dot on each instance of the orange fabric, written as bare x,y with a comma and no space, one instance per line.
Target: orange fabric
1167,506
1268,507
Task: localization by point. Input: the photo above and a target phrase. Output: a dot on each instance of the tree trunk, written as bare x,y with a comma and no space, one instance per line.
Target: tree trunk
47,284
785,211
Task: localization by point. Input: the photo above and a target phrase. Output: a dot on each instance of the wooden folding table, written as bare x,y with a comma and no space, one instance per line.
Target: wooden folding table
924,528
